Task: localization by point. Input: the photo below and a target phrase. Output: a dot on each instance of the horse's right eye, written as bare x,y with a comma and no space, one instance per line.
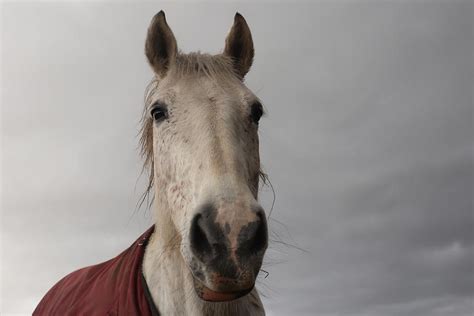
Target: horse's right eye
159,113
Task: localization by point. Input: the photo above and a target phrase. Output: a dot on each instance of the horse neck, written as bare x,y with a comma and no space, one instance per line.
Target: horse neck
170,282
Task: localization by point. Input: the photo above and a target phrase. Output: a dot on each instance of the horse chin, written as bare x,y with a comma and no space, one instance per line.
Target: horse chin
209,295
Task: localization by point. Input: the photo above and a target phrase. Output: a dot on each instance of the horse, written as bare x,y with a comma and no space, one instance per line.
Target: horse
199,140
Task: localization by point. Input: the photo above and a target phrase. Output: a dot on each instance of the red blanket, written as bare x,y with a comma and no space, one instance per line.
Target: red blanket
114,287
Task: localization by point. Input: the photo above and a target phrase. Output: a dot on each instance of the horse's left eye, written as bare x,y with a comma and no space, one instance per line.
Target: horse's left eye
256,112
159,113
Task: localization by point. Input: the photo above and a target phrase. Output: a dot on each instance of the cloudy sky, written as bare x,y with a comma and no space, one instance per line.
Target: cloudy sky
368,142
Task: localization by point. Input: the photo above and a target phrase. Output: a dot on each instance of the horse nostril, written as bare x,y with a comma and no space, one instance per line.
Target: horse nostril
260,238
209,241
199,240
254,237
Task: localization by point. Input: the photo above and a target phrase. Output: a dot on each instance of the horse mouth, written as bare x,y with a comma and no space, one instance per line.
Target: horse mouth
209,295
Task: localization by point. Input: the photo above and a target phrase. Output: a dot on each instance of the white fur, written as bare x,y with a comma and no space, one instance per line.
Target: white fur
207,149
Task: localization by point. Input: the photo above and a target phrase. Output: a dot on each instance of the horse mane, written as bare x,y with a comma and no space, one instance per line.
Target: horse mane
217,67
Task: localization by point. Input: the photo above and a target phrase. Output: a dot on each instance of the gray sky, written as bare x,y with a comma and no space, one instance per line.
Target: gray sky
368,142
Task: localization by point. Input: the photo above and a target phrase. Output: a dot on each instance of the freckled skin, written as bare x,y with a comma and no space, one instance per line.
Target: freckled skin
205,152
208,152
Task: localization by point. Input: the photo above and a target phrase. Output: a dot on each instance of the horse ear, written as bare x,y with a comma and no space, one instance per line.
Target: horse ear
239,45
160,46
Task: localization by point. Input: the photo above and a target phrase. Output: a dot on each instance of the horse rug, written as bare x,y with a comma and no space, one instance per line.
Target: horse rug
115,287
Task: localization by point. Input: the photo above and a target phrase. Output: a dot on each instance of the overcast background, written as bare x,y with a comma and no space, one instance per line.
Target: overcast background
368,142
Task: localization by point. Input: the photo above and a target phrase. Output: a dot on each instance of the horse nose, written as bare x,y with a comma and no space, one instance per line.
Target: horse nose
211,239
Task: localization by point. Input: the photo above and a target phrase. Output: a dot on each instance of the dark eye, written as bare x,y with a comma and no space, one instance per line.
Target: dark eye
159,112
256,112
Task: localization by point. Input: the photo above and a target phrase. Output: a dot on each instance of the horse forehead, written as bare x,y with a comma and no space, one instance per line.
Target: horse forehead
208,89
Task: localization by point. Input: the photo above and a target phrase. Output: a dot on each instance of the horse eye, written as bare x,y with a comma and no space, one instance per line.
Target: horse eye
256,112
159,112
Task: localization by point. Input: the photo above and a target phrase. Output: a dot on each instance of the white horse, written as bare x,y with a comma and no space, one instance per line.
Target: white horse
200,142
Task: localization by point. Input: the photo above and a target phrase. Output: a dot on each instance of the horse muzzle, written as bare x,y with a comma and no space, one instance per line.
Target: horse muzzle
227,255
